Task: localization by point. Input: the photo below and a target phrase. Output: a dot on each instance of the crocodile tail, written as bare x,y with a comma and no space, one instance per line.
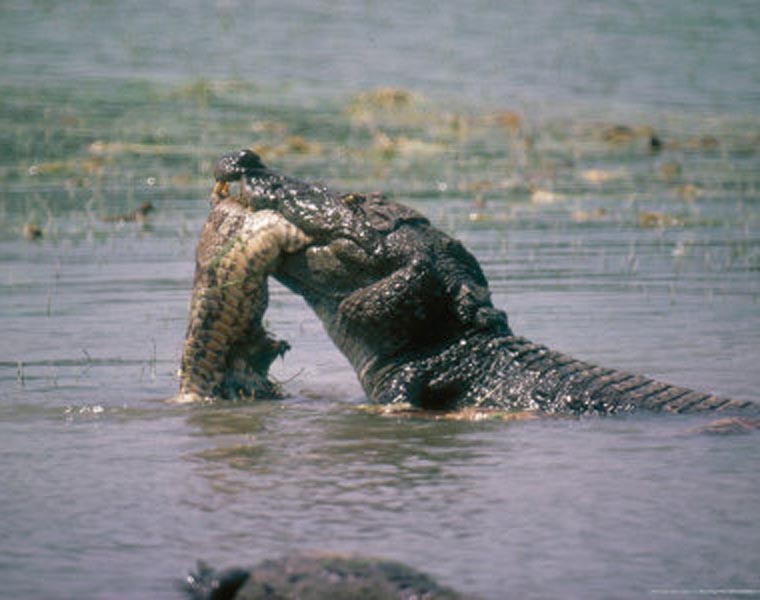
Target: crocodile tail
554,382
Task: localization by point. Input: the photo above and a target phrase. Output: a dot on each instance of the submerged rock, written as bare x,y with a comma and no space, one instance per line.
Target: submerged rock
317,576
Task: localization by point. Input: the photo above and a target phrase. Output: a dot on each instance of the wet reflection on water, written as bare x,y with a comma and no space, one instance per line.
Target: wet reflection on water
531,503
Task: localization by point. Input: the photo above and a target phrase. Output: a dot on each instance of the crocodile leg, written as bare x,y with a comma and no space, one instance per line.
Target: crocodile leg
225,342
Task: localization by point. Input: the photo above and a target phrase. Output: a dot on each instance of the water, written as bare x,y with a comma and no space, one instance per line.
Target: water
595,244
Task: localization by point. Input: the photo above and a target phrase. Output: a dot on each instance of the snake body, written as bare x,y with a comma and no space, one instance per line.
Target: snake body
227,351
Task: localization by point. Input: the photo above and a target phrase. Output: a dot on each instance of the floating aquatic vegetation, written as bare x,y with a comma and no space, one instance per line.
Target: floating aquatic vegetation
265,127
670,171
479,217
618,134
703,143
688,192
594,215
623,135
206,91
298,144
601,176
76,167
397,110
541,196
477,187
509,120
389,139
657,220
381,99
293,145
388,147
32,232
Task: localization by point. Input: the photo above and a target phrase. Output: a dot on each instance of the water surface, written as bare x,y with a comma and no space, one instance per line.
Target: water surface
526,130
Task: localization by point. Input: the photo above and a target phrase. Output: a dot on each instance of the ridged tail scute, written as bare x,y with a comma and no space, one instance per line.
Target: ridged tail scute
227,352
556,383
496,372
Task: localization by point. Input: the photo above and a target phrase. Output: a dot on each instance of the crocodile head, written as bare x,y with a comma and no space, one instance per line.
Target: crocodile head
322,214
384,282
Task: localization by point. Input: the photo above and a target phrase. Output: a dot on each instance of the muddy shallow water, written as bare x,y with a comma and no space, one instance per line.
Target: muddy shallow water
611,193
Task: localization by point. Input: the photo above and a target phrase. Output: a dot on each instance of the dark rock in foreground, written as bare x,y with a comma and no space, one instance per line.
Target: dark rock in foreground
317,576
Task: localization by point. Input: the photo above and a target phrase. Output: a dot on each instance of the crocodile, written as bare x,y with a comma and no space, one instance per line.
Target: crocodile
407,304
